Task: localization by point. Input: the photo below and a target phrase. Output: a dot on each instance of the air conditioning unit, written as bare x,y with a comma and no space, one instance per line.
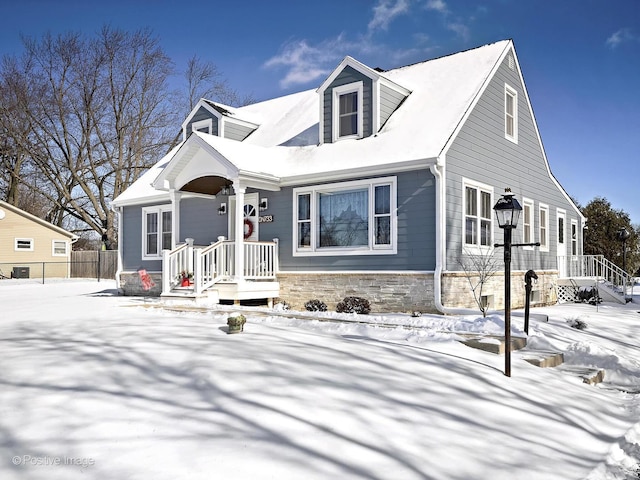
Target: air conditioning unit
20,272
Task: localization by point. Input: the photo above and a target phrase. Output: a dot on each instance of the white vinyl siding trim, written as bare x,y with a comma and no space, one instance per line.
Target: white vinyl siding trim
59,248
156,231
379,236
527,222
23,245
574,237
510,114
543,227
477,218
356,88
205,126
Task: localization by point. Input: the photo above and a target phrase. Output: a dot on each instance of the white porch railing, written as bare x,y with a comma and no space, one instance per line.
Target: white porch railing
216,263
599,268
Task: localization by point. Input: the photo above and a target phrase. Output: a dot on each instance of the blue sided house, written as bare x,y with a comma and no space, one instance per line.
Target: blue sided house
378,184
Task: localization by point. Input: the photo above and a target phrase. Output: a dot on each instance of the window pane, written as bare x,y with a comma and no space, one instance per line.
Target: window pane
486,204
23,244
304,234
152,233
471,235
471,201
348,114
485,233
509,104
166,230
560,230
304,207
344,218
59,248
383,199
383,231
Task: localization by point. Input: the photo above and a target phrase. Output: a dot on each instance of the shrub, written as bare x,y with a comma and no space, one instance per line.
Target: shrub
577,324
353,305
315,306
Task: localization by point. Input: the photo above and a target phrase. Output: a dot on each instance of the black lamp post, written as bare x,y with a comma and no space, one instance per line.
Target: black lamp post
507,212
623,236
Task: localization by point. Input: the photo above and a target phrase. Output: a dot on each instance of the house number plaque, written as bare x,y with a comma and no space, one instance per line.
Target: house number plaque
265,219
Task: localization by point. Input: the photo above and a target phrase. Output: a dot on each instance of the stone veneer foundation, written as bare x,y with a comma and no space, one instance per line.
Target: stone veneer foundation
387,292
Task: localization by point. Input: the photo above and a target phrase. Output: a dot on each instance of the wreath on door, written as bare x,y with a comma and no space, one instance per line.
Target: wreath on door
249,210
248,228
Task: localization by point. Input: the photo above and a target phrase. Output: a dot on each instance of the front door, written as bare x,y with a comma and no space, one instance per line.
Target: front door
250,217
562,245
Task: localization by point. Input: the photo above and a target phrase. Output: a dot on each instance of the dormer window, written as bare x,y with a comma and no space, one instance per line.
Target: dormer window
204,126
347,111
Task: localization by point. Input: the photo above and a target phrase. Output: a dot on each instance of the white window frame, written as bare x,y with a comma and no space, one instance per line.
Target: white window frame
59,242
543,227
372,248
511,92
528,203
21,249
355,87
203,124
477,248
159,210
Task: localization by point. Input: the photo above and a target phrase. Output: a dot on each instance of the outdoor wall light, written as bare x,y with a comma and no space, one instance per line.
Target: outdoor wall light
225,190
264,204
222,209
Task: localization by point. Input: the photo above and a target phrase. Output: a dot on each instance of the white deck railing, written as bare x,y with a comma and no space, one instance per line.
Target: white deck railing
597,267
216,263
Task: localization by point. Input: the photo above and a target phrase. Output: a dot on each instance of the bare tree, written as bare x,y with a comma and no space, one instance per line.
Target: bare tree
204,80
479,268
96,117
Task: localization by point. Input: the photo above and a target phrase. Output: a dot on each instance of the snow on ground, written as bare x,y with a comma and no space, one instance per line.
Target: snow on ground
95,385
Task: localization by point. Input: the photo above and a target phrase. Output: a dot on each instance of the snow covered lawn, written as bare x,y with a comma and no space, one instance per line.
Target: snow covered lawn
93,385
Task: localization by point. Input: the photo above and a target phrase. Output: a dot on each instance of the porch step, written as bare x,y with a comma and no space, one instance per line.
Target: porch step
187,295
493,343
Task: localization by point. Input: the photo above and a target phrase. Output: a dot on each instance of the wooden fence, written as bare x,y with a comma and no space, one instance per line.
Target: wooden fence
94,264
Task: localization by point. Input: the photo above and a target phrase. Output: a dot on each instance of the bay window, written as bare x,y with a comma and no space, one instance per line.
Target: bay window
349,218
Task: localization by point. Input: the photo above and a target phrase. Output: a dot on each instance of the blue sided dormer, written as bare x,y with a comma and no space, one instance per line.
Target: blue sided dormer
217,119
356,101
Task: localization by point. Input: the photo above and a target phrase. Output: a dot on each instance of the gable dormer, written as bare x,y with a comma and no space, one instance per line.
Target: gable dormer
217,119
356,101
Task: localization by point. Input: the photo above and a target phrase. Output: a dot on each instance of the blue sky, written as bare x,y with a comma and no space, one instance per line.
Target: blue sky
580,58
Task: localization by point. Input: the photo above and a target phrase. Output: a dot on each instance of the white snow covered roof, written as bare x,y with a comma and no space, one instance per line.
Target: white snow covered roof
442,91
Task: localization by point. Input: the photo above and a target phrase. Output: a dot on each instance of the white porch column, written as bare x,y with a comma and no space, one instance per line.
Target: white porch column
239,232
175,197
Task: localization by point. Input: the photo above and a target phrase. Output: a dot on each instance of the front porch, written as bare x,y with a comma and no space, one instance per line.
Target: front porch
215,273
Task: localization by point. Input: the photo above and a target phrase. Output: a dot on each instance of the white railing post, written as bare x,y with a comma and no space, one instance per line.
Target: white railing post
166,271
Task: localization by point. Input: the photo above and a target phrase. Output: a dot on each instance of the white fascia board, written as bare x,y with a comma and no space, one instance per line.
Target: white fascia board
353,63
262,181
360,172
207,106
394,86
161,197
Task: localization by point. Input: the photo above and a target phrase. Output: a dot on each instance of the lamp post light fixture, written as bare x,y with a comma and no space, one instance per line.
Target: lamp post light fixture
507,211
623,236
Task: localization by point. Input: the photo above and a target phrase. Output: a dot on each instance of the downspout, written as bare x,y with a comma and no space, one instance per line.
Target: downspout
438,171
118,212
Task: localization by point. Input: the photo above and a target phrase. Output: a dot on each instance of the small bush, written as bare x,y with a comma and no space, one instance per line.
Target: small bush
315,306
577,324
353,305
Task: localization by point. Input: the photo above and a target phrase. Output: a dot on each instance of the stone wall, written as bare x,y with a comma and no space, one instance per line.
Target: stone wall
130,284
397,292
456,290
